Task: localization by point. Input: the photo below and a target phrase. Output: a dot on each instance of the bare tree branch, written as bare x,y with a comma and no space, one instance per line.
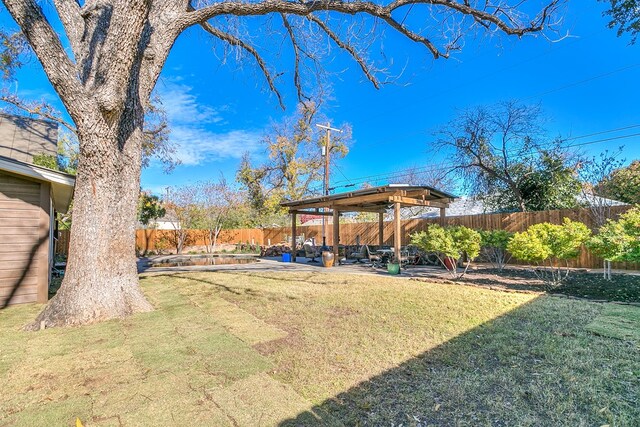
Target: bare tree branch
48,48
296,53
352,8
235,41
486,14
346,46
40,109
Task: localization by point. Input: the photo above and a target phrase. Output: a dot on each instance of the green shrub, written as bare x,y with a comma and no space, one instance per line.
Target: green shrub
631,224
618,240
550,245
611,244
494,247
450,242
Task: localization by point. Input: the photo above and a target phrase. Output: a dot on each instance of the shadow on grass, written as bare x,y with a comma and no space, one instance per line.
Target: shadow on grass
536,365
219,286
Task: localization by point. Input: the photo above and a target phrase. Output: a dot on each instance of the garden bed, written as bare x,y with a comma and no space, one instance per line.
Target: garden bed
580,284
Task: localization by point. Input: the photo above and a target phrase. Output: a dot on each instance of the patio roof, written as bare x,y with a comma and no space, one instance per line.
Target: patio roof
374,199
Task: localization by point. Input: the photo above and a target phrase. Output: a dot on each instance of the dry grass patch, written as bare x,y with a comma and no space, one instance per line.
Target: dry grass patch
346,329
311,349
378,351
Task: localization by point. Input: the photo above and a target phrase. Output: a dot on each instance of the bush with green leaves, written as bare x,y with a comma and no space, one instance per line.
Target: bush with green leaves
449,242
549,247
618,240
611,244
631,223
493,247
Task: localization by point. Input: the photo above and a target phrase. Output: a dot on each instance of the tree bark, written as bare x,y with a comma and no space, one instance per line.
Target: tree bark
102,280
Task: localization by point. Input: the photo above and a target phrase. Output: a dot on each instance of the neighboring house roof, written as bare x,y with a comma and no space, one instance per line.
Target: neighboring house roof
596,200
61,183
22,137
459,207
472,206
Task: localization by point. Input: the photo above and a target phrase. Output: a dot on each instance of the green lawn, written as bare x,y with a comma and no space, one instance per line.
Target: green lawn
306,349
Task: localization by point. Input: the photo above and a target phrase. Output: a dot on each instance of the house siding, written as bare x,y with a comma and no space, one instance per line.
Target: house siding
22,137
24,240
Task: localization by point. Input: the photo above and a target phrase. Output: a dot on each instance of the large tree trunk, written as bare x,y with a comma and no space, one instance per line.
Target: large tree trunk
101,281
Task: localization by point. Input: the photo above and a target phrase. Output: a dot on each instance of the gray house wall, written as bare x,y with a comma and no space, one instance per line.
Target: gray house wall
25,212
22,137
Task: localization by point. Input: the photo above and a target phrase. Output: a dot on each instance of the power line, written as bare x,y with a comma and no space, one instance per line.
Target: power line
579,82
442,166
341,172
539,94
602,132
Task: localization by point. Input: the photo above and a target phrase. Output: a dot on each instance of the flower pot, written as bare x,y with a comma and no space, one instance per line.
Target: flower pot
327,259
286,257
393,268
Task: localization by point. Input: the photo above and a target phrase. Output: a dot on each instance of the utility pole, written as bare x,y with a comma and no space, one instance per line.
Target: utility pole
325,152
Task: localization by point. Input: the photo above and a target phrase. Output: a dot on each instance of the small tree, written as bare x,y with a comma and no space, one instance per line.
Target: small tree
149,209
494,247
451,242
611,244
618,240
631,223
221,208
548,246
182,212
594,171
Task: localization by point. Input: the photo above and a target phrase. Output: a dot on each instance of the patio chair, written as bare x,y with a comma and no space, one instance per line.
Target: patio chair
310,252
374,259
342,255
361,254
405,258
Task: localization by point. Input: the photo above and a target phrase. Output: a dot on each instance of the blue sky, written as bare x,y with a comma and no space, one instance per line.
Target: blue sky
586,83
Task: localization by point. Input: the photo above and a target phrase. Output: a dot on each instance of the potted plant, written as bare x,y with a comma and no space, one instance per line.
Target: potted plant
393,266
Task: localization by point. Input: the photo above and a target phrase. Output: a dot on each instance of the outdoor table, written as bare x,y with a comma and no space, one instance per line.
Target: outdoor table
385,255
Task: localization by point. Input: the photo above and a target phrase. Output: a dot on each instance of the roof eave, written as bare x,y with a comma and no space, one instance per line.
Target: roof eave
62,184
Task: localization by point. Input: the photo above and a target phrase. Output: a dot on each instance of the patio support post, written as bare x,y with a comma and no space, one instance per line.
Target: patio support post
336,235
442,215
380,229
397,231
293,236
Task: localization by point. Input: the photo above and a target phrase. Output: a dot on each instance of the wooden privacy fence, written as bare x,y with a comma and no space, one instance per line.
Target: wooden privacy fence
151,240
367,232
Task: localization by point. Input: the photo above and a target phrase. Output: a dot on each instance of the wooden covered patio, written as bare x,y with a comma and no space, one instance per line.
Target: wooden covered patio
375,199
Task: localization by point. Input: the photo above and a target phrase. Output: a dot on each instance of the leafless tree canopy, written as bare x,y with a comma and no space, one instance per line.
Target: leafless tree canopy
489,145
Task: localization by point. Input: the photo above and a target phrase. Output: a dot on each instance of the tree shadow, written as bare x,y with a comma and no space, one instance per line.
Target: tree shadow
532,366
15,286
219,286
29,136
